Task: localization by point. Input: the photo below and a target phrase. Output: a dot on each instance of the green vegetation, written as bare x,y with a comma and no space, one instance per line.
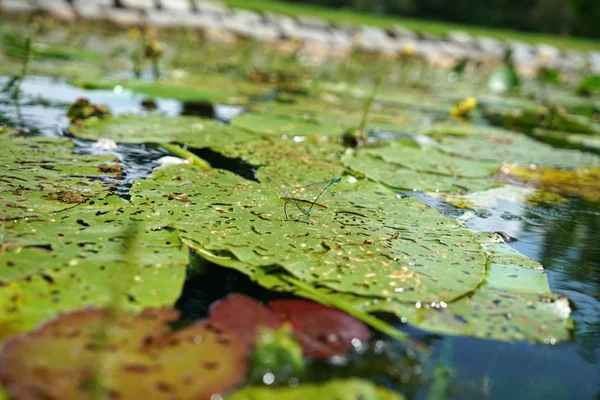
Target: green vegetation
433,27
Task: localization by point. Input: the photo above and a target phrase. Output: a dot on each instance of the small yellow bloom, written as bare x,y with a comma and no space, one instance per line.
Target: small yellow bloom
409,50
462,108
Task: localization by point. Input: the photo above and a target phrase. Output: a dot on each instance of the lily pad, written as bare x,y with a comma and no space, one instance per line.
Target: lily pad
95,353
195,132
42,175
78,258
434,162
368,241
321,331
400,178
279,125
512,147
515,303
206,88
553,118
336,389
568,140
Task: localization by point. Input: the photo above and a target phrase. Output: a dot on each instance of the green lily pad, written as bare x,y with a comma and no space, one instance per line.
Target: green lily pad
515,303
94,353
552,118
42,175
569,140
207,88
351,389
279,125
512,147
77,258
355,245
402,178
192,131
432,161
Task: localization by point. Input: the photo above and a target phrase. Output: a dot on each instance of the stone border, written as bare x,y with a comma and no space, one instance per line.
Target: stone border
213,17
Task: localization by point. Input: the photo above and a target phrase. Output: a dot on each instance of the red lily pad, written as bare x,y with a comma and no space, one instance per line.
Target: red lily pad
242,315
321,331
94,353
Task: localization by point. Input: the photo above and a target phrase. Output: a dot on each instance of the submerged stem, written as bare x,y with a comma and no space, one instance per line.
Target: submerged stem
188,155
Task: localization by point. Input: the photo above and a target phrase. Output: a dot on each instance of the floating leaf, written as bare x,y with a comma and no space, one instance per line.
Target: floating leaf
367,241
42,175
336,389
375,168
323,331
568,140
94,353
278,125
432,161
194,132
507,146
553,118
242,316
77,259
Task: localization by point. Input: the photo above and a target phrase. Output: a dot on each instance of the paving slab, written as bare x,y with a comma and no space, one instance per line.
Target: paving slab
399,31
16,6
460,37
204,21
89,10
123,17
138,4
312,22
211,7
594,61
166,18
59,9
375,39
490,46
175,5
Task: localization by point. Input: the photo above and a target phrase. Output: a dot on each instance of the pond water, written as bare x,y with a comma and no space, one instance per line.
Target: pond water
563,237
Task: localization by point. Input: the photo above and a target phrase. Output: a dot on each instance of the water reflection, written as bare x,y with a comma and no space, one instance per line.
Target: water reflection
564,238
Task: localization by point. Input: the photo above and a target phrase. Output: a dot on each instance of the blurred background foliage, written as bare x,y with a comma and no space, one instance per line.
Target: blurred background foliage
565,17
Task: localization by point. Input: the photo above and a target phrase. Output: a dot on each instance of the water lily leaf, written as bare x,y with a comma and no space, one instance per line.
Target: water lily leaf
402,178
76,259
515,303
432,161
195,132
336,389
568,140
242,315
355,245
207,88
512,147
279,125
553,118
93,352
36,184
323,331
581,182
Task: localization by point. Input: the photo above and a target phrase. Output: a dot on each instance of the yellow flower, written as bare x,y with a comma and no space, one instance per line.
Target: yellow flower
462,108
409,50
